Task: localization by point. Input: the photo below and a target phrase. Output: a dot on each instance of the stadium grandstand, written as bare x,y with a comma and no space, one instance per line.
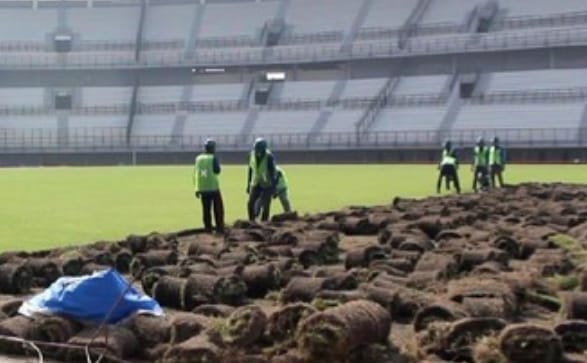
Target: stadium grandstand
98,81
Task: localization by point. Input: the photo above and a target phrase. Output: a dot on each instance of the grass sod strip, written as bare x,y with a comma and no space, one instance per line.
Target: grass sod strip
117,341
260,279
10,307
44,270
244,326
15,278
337,331
171,292
458,341
521,343
283,322
305,288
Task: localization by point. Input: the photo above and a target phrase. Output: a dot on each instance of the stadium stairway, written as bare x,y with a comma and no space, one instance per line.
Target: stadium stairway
327,111
350,35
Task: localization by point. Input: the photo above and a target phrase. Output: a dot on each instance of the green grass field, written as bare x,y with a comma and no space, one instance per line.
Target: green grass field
47,207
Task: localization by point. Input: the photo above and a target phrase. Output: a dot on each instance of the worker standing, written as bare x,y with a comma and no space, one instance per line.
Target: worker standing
496,162
480,163
260,180
207,186
448,167
281,189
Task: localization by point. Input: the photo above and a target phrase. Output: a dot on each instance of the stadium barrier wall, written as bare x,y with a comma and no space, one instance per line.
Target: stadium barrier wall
515,155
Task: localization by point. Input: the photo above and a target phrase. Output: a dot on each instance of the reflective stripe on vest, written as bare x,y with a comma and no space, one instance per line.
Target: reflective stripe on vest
260,171
205,178
448,160
495,156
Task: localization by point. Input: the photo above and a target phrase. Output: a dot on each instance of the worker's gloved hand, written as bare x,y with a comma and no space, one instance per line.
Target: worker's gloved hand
197,194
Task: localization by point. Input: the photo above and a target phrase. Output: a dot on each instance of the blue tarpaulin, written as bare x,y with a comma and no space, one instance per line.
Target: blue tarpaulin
91,298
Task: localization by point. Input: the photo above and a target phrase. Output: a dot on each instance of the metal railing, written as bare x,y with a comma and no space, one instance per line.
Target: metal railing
531,96
114,139
456,43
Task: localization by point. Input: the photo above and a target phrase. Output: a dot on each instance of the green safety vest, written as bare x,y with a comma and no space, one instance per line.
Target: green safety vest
282,181
448,160
495,156
480,157
260,171
205,180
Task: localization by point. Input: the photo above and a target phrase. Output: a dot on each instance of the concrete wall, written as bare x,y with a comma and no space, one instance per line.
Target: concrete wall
560,155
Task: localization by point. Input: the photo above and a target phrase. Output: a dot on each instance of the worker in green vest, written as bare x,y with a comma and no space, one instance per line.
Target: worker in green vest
480,165
496,162
260,180
281,189
448,167
207,186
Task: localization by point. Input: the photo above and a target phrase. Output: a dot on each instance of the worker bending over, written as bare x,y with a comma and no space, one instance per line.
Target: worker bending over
480,163
260,180
496,162
281,189
207,186
448,167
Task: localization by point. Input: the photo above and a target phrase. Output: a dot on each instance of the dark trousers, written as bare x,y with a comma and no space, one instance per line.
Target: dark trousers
449,172
259,203
496,171
481,177
212,200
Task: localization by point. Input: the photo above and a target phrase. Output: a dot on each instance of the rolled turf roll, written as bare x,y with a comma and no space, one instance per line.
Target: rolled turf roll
244,326
260,279
458,342
203,289
484,297
488,268
283,322
487,307
508,244
214,310
363,256
142,261
432,261
335,332
305,288
285,237
412,256
354,226
18,326
307,256
275,251
245,235
522,343
239,256
326,249
91,267
424,279
15,278
171,292
54,329
416,245
10,307
117,341
122,261
150,330
197,349
45,271
576,305
187,325
399,264
71,264
211,248
475,257
445,311
153,274
583,280
340,296
573,334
